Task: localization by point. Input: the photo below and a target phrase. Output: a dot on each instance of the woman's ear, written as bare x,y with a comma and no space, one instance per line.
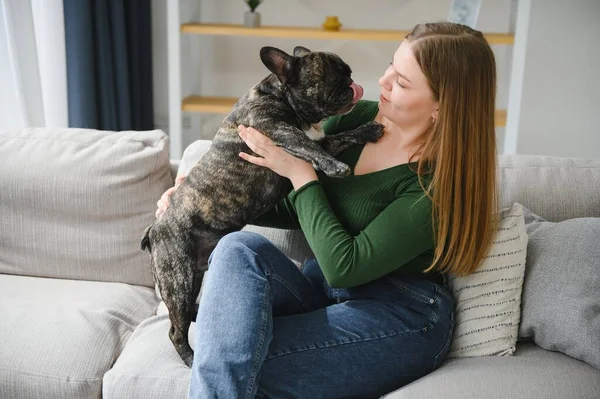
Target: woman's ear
434,114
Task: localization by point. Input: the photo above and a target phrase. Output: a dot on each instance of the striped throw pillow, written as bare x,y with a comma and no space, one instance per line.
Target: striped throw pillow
488,301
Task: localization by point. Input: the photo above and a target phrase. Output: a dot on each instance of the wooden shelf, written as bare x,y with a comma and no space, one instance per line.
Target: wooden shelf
217,105
500,118
222,105
317,33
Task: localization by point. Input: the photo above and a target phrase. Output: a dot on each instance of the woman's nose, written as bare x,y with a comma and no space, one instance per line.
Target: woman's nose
383,82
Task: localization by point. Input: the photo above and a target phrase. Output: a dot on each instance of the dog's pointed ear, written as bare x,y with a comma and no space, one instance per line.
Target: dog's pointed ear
299,51
277,61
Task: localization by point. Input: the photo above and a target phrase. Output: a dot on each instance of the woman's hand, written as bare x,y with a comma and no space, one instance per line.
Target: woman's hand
275,158
163,202
271,156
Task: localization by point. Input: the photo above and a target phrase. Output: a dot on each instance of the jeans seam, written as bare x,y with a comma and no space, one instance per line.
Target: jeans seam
294,293
410,291
450,334
339,343
447,344
256,363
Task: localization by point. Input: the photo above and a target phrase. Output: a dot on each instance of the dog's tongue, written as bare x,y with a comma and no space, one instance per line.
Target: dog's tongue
358,92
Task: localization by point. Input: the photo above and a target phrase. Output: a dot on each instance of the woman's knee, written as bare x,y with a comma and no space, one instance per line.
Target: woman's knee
238,245
246,239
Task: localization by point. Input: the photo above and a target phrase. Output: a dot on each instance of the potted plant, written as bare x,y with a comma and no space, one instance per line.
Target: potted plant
252,18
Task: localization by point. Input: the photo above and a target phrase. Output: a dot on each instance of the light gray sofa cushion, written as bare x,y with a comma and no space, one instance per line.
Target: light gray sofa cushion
59,337
74,202
149,367
561,297
555,188
531,373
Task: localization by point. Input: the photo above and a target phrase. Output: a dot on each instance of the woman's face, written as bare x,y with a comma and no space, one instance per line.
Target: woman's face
406,98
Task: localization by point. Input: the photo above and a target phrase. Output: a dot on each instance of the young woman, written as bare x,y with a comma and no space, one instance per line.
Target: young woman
371,312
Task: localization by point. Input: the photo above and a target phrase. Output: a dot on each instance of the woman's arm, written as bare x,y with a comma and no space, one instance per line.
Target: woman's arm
397,235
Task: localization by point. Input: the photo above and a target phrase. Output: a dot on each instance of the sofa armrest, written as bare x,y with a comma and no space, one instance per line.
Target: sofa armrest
191,156
174,167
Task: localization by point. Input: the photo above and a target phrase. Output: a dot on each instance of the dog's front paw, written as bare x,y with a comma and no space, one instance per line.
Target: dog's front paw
335,168
371,132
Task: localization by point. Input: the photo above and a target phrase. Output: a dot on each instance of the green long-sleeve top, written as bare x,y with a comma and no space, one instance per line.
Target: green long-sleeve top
361,227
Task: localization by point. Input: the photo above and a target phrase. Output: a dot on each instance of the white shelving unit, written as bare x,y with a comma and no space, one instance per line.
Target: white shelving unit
199,103
515,91
174,54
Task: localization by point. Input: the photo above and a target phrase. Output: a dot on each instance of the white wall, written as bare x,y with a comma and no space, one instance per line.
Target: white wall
560,110
229,66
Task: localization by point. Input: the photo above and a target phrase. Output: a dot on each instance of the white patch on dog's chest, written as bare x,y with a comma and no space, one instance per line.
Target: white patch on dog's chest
315,132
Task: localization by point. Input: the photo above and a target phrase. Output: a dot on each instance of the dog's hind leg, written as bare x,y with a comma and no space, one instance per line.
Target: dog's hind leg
205,244
177,291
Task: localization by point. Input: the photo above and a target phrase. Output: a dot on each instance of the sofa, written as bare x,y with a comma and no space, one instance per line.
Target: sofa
80,315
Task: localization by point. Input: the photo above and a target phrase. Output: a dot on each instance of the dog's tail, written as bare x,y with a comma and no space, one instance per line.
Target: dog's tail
145,244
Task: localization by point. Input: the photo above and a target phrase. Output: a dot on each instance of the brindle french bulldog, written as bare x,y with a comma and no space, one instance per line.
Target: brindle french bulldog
222,192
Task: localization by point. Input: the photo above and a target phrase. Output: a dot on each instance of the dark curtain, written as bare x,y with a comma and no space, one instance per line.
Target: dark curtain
109,64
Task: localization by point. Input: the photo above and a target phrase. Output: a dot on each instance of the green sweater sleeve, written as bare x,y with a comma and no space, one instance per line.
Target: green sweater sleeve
401,232
281,216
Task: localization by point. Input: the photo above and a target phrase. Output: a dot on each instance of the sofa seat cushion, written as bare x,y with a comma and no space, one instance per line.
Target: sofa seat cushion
149,366
59,336
532,373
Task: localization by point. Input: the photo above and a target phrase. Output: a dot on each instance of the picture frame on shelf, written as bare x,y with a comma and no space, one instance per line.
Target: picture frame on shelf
465,12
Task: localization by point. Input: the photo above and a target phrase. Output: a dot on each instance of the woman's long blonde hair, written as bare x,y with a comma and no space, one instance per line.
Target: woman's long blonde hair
461,147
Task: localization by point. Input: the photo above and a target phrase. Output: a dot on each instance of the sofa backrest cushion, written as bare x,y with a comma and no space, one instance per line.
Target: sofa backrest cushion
74,203
554,188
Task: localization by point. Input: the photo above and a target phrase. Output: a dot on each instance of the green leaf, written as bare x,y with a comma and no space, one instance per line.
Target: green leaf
253,4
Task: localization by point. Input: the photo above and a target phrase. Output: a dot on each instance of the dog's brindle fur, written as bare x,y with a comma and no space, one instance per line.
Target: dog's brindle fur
223,192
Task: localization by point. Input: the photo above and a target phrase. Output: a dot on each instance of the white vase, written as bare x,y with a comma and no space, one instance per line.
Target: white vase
251,19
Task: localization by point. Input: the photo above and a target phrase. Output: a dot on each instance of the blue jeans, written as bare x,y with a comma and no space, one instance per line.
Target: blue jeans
266,329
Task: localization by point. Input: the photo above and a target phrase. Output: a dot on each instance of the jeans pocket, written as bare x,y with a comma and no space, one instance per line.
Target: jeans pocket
421,290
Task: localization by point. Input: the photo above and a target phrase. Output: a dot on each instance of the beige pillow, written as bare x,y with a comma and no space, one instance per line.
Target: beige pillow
488,301
74,203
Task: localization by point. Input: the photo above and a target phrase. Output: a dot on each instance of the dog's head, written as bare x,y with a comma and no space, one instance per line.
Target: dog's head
319,84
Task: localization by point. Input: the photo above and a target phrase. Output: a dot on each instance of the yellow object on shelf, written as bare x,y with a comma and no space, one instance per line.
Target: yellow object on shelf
332,23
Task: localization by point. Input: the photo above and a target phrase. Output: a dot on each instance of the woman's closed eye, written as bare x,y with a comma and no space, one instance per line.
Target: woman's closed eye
397,82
